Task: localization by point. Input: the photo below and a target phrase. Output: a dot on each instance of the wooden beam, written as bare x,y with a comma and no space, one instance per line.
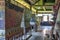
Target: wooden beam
43,5
36,2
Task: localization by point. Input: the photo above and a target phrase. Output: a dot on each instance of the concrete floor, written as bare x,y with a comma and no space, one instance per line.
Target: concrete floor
39,36
36,36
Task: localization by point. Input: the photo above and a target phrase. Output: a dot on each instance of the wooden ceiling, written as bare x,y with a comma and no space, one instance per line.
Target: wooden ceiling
40,5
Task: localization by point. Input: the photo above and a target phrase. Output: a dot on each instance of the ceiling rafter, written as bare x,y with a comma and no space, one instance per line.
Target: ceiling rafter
40,5
29,2
44,8
36,2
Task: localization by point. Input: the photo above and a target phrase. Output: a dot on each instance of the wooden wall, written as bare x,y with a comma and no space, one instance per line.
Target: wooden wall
13,18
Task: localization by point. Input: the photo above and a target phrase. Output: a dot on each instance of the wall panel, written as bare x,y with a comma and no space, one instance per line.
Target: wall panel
13,21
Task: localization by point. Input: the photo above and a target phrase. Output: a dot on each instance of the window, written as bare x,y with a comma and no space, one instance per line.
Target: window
45,18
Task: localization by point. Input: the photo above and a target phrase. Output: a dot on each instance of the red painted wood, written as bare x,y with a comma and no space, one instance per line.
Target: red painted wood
12,22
